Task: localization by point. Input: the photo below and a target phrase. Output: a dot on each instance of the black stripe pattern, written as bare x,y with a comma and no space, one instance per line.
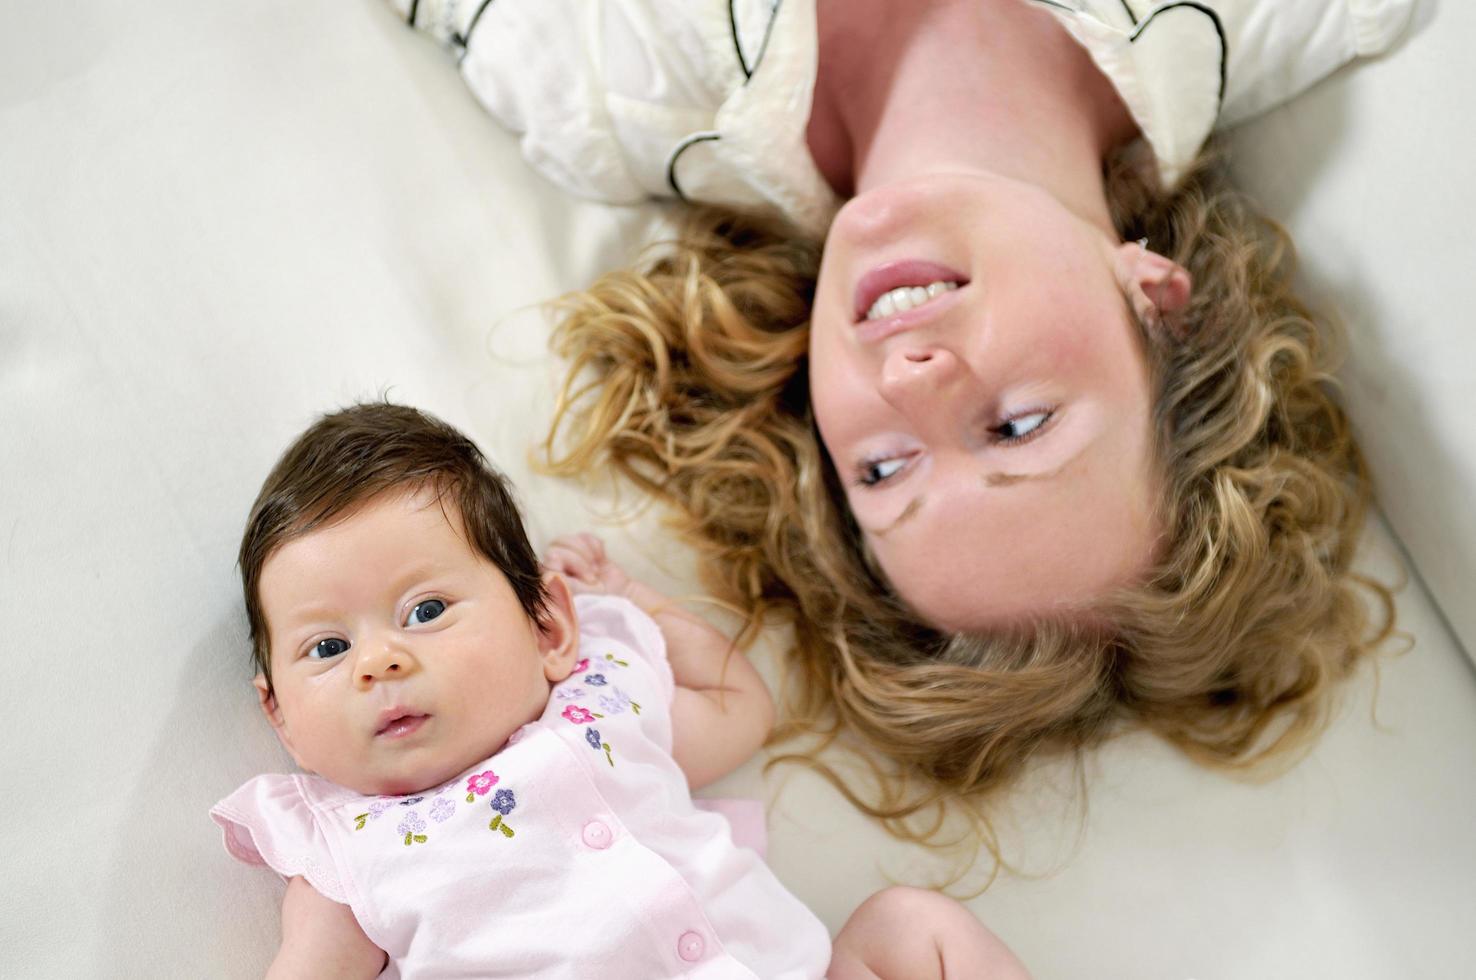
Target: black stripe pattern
462,40
748,72
748,69
1214,19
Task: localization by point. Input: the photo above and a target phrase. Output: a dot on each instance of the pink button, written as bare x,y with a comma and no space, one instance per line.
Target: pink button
691,946
597,835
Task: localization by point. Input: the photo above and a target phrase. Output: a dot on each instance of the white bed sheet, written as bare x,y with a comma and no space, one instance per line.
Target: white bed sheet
217,221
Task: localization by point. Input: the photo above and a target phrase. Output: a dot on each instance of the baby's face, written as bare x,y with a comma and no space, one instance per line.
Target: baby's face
400,655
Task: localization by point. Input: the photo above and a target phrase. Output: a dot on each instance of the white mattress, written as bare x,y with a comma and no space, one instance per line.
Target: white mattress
219,220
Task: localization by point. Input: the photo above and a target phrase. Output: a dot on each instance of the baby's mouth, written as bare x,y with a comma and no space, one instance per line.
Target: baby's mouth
398,722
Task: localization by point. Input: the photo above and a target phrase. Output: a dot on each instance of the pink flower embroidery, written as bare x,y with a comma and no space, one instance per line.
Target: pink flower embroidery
578,715
581,666
479,784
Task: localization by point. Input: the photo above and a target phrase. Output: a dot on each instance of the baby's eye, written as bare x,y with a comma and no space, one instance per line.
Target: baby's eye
329,648
1021,427
425,611
880,470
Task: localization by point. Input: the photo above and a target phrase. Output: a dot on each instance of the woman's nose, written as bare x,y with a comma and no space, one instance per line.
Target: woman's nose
911,376
380,660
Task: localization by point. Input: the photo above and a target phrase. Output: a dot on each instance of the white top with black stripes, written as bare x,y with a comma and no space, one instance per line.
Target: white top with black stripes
708,100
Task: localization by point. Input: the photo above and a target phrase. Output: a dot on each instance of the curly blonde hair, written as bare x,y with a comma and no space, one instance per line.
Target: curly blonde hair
688,377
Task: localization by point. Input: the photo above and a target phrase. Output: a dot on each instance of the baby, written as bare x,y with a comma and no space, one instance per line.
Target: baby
503,754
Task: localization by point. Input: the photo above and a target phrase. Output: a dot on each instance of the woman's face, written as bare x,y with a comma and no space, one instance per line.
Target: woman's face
995,440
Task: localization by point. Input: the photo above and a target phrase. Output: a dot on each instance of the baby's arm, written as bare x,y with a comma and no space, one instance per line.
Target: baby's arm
911,934
721,711
321,938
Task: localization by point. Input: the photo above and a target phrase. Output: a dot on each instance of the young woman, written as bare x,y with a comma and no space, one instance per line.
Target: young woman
1042,443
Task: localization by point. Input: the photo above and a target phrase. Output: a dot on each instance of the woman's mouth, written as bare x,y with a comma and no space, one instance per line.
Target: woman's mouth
898,287
905,298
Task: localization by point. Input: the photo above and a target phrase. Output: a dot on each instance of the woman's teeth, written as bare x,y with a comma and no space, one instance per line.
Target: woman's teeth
904,298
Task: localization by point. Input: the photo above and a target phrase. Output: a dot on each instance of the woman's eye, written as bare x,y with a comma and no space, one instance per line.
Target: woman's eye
882,469
425,611
1021,427
329,648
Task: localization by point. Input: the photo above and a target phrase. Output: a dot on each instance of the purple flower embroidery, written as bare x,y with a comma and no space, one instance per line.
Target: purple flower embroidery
617,701
441,810
378,807
503,801
569,693
596,680
411,826
592,736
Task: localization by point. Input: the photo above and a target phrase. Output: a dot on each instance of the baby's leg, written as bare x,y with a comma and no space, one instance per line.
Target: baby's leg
912,934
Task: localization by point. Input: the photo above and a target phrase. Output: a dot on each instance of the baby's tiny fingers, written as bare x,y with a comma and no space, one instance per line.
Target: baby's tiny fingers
585,545
569,563
594,546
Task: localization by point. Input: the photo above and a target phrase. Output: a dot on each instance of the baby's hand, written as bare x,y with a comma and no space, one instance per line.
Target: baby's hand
581,559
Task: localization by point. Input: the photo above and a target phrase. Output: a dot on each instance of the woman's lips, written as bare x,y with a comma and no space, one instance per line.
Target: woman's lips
878,330
400,723
892,275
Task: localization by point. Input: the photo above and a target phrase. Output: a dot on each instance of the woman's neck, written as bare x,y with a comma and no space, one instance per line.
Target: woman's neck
910,87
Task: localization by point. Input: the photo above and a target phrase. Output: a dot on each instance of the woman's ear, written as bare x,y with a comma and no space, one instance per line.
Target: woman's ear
558,634
1157,287
273,712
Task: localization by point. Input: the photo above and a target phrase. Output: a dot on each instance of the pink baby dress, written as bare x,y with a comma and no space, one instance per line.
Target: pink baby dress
576,851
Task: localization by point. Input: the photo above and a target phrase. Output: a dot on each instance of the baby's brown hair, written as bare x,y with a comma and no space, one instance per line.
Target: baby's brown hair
349,457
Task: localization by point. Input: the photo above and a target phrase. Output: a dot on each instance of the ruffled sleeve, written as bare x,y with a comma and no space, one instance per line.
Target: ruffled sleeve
269,821
614,630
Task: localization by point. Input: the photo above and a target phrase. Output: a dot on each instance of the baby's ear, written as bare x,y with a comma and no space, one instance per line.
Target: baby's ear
273,712
558,634
267,701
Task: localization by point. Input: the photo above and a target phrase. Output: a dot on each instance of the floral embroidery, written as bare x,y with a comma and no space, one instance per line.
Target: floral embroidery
592,736
504,802
569,693
479,784
375,811
617,701
581,666
443,806
579,715
411,827
595,680
616,660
